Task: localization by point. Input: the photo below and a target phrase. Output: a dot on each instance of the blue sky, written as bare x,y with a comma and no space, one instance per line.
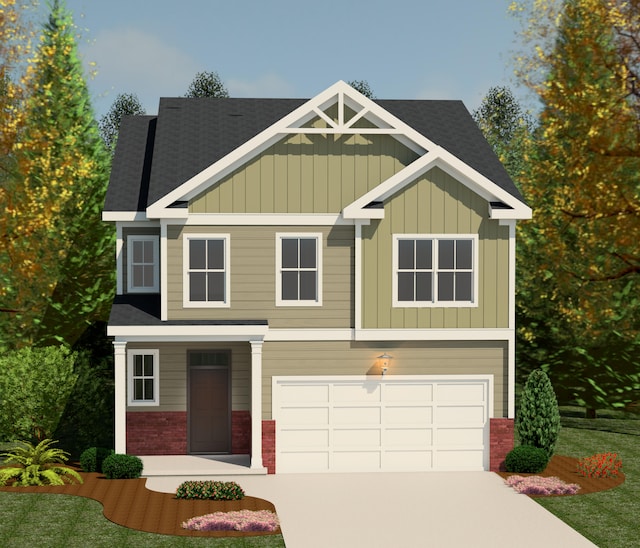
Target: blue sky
405,49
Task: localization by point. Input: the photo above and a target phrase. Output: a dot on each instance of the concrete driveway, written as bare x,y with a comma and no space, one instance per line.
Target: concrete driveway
400,510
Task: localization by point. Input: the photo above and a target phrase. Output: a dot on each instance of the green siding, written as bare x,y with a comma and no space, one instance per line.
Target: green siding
435,204
253,277
408,358
307,174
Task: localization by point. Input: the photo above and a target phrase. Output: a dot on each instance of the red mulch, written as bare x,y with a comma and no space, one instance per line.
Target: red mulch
565,468
129,503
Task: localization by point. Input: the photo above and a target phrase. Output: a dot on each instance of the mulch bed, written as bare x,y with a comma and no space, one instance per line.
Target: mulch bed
565,469
129,503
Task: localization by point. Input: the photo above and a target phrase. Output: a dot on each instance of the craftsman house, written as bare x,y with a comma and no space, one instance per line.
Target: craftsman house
324,284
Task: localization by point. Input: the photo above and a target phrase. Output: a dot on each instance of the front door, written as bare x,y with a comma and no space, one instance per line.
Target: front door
209,402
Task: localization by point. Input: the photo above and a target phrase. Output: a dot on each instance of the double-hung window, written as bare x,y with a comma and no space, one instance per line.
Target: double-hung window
298,269
435,270
144,375
206,271
143,272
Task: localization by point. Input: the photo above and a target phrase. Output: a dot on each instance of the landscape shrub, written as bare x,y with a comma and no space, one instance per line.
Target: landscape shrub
215,490
525,459
538,419
602,465
91,459
537,485
121,466
242,520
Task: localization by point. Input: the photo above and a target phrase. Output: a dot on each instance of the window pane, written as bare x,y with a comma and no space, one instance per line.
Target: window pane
424,290
197,254
424,256
147,276
406,286
137,389
215,254
445,286
148,251
463,254
215,281
445,254
308,286
197,286
138,252
137,365
148,365
290,253
138,276
463,286
405,254
307,252
148,389
290,286
208,358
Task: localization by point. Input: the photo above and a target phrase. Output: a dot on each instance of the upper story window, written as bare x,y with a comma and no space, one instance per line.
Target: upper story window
298,269
143,264
435,270
143,374
206,270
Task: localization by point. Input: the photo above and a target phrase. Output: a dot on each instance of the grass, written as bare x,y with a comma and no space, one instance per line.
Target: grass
609,518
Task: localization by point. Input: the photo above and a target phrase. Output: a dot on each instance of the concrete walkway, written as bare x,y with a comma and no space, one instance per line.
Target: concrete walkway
398,510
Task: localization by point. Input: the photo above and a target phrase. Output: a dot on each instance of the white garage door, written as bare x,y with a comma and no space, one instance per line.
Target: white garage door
395,423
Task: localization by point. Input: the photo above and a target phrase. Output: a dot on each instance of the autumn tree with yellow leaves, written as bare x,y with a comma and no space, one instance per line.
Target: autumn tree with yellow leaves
57,272
579,259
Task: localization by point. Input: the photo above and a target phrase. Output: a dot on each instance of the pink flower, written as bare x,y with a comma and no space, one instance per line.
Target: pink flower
243,520
538,485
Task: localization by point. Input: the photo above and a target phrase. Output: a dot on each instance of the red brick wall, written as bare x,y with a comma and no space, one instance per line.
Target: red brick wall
269,446
157,433
501,442
240,432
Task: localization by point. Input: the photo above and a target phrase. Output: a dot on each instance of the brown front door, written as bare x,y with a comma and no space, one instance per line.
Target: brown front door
209,403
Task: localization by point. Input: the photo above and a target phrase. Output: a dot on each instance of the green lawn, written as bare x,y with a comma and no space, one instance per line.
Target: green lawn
609,518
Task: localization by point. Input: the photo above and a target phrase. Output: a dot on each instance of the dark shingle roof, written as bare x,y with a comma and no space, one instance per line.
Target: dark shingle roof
156,154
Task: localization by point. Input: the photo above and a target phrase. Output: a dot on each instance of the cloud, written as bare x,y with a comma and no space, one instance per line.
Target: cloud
268,85
130,60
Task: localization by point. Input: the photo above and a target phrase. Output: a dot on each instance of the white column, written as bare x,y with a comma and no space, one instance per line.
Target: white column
256,404
511,352
120,381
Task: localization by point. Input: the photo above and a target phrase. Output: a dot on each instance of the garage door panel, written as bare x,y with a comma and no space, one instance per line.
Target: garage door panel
361,461
407,392
305,394
422,415
456,392
357,393
305,438
460,436
456,459
356,437
304,461
468,414
356,415
399,461
304,415
408,437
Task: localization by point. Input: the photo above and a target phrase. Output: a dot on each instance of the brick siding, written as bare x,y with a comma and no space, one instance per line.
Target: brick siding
157,433
501,434
240,432
269,446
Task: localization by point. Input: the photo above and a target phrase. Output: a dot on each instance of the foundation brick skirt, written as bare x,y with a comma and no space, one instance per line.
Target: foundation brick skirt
269,446
501,442
157,433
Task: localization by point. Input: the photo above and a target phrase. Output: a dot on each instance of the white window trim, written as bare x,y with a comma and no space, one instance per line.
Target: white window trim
156,377
319,252
435,303
156,263
227,271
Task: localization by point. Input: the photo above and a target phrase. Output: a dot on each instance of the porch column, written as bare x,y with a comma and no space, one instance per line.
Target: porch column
256,404
120,409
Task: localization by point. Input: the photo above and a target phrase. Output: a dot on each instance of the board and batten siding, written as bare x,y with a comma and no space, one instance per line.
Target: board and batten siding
133,231
337,358
253,277
307,174
435,204
173,374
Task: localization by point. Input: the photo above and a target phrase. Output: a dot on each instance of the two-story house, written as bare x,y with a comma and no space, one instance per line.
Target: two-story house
324,284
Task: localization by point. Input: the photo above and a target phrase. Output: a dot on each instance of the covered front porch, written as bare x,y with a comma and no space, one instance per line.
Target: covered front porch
198,465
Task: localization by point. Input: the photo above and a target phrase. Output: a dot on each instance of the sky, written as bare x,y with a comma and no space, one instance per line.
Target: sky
404,49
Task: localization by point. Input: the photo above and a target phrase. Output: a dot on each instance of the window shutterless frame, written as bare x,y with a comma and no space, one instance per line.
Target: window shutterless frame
143,377
299,269
435,270
206,270
143,264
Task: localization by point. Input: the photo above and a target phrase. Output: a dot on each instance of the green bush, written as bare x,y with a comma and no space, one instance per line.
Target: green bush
525,459
91,459
215,490
120,466
538,419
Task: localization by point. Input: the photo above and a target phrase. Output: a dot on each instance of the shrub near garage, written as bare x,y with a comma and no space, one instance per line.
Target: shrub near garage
121,466
525,459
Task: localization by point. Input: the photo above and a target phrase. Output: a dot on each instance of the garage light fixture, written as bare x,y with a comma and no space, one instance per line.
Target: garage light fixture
384,360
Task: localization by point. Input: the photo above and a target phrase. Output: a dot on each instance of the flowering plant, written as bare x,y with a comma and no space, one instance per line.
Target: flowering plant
538,485
602,465
243,520
216,490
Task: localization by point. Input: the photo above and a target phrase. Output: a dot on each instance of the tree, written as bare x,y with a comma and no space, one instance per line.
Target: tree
578,287
207,84
507,128
58,268
363,87
125,104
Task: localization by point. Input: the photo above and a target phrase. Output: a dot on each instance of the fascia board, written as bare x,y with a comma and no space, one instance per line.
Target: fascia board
115,216
240,332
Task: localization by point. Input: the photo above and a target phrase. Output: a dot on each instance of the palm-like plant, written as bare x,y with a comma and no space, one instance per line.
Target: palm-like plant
38,465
